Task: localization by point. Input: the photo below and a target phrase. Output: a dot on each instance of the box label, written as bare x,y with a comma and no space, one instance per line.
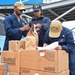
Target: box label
10,61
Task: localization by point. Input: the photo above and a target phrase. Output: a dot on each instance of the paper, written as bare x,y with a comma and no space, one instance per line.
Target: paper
49,47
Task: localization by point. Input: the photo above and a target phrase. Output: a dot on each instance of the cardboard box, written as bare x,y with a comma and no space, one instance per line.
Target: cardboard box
13,60
35,72
14,73
16,45
45,60
3,69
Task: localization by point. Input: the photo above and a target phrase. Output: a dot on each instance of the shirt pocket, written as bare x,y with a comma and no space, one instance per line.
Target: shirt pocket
15,24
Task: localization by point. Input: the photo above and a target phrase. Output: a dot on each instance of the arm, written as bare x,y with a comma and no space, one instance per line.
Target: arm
47,38
30,23
8,27
69,47
25,33
46,23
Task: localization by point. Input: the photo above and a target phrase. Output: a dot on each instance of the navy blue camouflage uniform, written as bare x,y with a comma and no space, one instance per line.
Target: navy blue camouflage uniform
66,40
45,23
12,29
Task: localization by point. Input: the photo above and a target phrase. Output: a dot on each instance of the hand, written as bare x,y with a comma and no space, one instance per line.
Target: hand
58,48
44,44
38,25
26,27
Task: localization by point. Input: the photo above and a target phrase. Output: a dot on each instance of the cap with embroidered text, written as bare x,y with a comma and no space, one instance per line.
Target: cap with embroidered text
36,7
19,5
55,29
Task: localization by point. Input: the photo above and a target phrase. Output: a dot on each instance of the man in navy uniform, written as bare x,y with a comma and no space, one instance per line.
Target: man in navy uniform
66,41
14,26
41,22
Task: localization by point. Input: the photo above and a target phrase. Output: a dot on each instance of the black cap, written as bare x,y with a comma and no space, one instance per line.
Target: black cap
36,7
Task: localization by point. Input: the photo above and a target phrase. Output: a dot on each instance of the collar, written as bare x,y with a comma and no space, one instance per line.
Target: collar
13,15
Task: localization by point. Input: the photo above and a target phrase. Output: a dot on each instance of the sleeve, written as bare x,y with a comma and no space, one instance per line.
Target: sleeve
46,23
47,38
8,27
30,23
25,33
70,46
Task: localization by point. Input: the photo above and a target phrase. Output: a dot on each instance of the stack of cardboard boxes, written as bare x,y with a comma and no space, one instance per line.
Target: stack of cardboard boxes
12,56
34,62
46,62
3,69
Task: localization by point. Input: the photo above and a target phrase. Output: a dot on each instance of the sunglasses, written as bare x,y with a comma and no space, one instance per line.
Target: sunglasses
21,9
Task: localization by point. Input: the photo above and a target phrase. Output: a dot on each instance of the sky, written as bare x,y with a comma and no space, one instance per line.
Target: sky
9,2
